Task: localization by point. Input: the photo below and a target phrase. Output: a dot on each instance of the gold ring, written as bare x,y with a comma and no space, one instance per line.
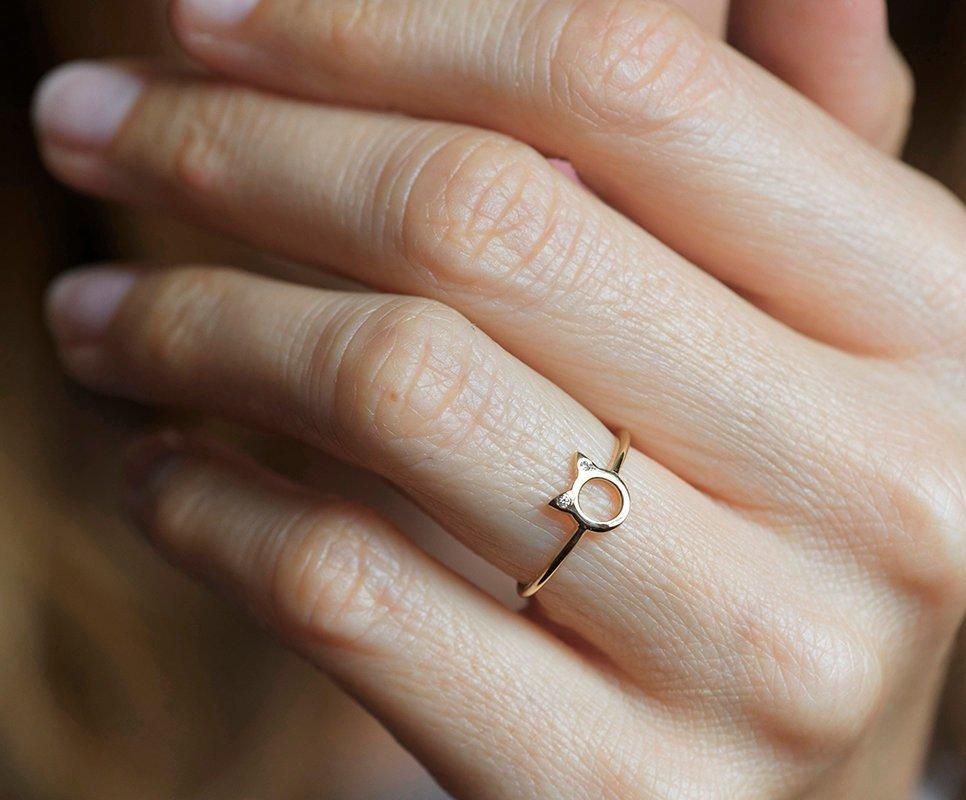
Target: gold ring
569,502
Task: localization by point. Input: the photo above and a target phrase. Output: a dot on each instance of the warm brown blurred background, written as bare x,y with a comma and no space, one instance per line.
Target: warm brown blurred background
119,679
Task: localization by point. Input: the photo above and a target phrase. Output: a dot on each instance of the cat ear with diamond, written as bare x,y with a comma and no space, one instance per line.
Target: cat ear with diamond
564,502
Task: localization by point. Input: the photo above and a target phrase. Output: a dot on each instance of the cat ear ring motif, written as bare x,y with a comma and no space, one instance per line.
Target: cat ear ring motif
569,501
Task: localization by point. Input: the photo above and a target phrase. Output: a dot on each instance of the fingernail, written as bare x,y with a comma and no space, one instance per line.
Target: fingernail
209,15
80,305
82,105
565,167
147,465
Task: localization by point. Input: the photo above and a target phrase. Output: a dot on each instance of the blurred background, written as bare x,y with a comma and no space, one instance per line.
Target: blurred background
119,678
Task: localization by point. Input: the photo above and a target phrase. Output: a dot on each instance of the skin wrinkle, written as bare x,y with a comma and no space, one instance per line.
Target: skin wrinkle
401,183
541,242
526,256
458,399
329,583
651,77
306,349
455,393
212,141
487,220
553,285
371,326
618,53
527,250
413,212
318,354
527,57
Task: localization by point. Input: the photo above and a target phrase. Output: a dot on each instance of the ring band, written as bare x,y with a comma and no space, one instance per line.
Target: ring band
569,503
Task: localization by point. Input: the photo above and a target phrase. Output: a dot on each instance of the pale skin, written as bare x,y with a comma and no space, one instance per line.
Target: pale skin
769,302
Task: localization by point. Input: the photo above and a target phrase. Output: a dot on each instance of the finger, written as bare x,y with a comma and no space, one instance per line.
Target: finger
461,681
409,389
485,226
711,153
836,52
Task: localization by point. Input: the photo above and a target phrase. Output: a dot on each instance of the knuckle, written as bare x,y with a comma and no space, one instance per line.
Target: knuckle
820,683
920,516
362,31
177,506
482,213
409,378
335,580
630,64
181,306
210,128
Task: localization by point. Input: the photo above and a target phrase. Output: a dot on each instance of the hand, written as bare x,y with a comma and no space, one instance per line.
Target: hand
783,593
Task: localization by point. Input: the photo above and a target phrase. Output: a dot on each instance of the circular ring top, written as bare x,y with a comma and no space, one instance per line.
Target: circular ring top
569,501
